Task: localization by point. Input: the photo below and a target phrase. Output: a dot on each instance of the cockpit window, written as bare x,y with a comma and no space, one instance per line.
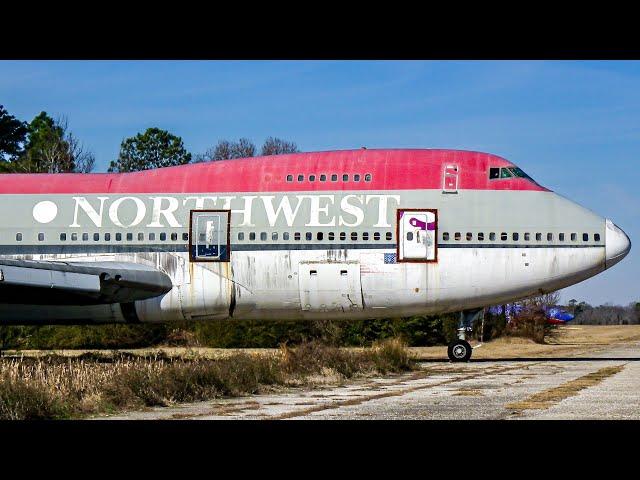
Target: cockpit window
505,173
519,173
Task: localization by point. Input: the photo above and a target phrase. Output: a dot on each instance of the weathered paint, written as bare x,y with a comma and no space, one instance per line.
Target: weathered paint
264,277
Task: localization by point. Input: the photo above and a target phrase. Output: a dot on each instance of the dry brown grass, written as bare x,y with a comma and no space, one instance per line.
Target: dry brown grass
570,340
63,387
547,398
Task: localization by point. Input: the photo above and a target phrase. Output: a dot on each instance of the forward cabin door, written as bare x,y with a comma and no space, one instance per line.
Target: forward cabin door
326,287
417,235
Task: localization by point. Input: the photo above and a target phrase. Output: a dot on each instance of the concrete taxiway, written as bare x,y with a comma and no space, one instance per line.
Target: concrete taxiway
601,383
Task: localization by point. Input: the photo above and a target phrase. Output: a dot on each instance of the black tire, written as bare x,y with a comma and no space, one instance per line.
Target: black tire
459,351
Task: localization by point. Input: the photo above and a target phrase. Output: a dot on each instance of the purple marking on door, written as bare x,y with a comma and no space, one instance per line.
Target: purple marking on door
414,222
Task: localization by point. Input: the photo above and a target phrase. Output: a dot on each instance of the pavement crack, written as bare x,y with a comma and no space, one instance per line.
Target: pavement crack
395,393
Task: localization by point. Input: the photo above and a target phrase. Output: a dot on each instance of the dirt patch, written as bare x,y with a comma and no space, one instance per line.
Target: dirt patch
469,392
547,398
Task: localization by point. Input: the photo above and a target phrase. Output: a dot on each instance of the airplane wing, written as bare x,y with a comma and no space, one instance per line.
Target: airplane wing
79,283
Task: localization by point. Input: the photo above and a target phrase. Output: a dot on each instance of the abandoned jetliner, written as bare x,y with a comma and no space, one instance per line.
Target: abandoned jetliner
343,234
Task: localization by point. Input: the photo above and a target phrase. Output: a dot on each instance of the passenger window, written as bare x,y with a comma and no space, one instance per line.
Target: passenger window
18,237
561,237
107,237
85,237
538,237
343,236
152,236
469,236
289,178
445,236
274,236
389,236
585,237
515,236
130,236
494,173
492,236
285,236
345,177
480,236
354,236
118,237
323,178
263,236
376,236
63,236
74,237
367,177
296,236
140,237
252,236
312,178
240,236
457,236
574,237
174,236
503,236
365,235
308,236
40,237
320,236
527,237
96,237
356,178
596,237
334,177
549,237
331,236
163,237
300,178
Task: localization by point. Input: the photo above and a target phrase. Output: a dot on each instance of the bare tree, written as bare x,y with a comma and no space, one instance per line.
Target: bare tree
61,152
277,146
226,150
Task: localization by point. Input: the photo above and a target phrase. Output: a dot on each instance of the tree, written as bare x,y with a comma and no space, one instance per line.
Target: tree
226,150
52,148
154,148
13,134
245,148
277,146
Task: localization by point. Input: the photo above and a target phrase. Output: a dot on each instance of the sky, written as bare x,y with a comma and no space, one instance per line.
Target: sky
574,126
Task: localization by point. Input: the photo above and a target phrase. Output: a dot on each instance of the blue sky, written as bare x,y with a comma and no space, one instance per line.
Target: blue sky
573,126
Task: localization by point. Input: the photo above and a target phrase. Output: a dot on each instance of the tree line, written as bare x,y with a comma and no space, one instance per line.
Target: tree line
46,145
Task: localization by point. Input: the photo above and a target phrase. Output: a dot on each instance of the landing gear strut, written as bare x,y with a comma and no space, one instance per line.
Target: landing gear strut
459,350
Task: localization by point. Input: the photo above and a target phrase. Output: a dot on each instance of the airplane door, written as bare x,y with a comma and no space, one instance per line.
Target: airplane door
209,235
450,179
417,235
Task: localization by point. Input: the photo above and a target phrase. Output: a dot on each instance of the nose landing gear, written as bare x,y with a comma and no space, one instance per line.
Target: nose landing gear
459,350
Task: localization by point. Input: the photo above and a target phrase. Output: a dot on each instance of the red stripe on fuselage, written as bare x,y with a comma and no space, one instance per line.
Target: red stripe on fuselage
389,169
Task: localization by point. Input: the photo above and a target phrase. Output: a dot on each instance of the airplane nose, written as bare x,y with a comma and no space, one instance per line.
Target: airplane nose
617,244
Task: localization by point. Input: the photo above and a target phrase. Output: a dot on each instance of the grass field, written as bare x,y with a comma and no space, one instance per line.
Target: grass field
570,340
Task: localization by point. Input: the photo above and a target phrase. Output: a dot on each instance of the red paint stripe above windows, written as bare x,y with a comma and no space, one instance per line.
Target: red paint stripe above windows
389,170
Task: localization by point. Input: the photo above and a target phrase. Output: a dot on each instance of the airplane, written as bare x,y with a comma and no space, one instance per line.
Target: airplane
554,315
365,233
